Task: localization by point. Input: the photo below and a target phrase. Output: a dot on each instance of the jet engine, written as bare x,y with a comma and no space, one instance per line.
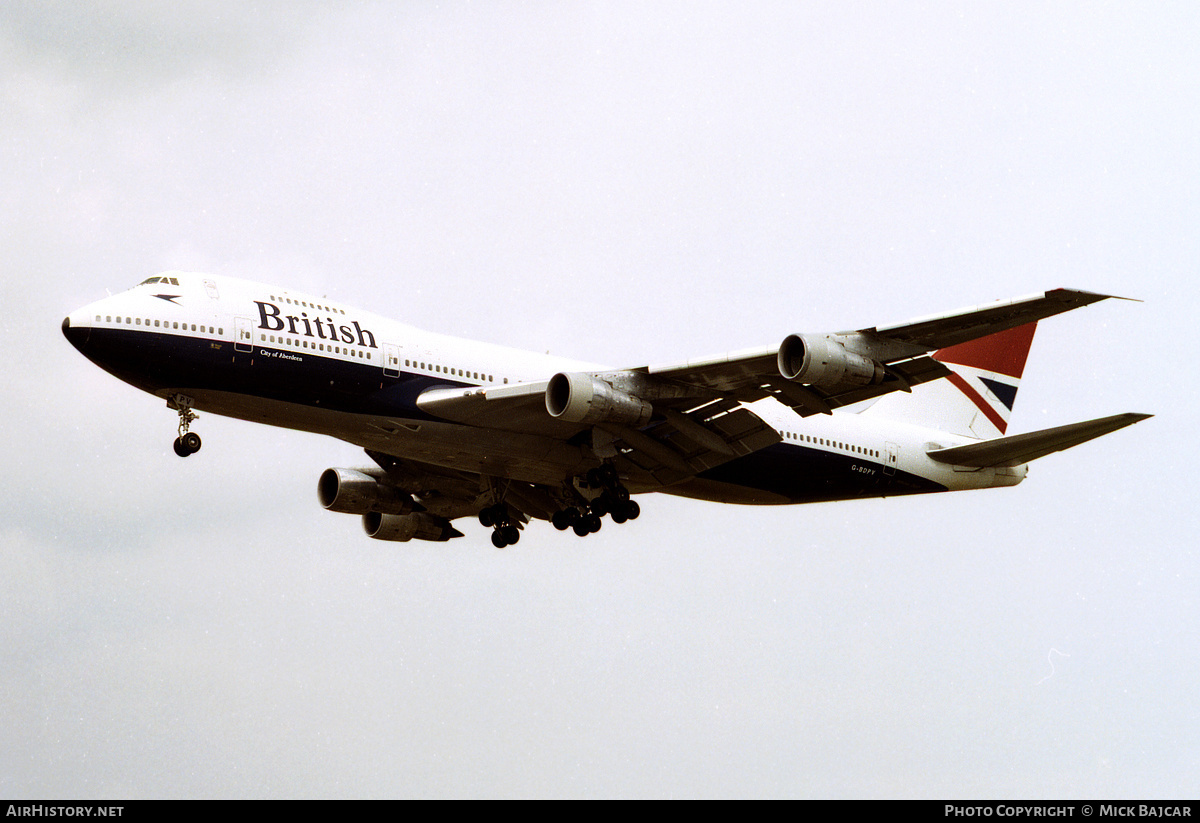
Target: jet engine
404,527
825,363
355,492
582,398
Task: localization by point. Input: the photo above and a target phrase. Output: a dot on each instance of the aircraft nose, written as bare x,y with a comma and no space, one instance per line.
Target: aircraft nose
77,335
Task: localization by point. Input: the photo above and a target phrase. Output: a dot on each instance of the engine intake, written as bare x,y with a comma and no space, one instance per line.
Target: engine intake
582,398
355,492
825,363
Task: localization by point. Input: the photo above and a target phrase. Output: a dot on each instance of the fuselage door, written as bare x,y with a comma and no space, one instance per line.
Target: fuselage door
391,360
243,334
893,458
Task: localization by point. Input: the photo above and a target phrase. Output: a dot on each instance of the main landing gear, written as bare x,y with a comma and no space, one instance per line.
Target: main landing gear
613,500
187,442
504,531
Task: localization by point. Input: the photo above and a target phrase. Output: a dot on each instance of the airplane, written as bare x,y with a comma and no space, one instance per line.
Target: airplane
458,428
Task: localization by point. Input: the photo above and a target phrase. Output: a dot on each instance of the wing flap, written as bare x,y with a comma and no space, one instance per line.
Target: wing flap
681,446
1022,448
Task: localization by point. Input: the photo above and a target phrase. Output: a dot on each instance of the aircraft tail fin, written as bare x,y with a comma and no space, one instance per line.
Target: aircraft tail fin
977,398
1021,448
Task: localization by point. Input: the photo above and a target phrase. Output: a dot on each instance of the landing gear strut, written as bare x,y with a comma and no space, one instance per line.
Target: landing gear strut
187,442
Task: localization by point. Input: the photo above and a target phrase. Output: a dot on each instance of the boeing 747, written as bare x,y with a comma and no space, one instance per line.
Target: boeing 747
460,429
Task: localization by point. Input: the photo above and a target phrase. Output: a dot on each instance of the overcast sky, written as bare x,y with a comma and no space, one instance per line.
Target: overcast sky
622,183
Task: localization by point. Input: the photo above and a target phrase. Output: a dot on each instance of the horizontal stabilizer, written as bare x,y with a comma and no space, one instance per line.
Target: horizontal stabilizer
1021,448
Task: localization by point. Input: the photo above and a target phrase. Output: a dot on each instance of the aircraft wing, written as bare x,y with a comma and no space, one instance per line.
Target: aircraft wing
664,418
890,345
945,330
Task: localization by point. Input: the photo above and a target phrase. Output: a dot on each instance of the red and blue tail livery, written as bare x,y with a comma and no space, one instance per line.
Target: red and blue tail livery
988,370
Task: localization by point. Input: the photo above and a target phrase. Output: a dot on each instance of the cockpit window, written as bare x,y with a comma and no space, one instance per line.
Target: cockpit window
170,281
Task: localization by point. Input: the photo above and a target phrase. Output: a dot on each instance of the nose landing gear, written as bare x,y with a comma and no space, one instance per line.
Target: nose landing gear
187,442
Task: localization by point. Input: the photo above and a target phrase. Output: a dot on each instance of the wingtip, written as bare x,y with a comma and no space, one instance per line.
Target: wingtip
1089,297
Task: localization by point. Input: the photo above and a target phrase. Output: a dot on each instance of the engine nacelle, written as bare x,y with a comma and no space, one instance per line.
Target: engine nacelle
581,398
404,527
355,492
825,363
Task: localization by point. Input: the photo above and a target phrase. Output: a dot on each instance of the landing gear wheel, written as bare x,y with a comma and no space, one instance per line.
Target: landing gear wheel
505,536
563,519
187,444
496,515
613,498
